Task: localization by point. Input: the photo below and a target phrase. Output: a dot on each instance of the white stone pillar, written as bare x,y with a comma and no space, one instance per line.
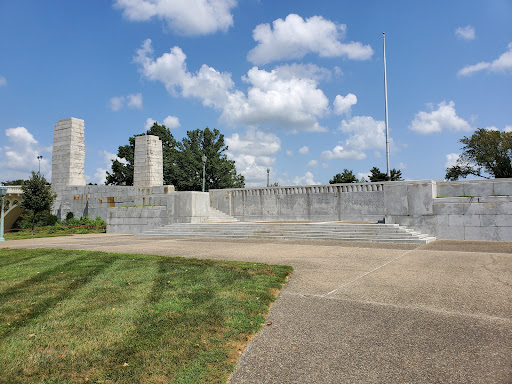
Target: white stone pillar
148,161
68,156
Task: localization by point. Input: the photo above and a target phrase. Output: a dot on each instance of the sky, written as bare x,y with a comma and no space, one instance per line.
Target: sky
295,86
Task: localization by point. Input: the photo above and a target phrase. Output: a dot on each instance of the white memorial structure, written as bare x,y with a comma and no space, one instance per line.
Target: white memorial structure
470,210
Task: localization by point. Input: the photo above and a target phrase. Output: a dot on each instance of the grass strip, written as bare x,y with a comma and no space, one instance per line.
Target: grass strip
75,316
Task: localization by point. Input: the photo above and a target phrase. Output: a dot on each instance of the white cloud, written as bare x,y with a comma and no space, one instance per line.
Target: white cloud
189,17
304,150
363,133
491,128
116,103
466,33
19,155
100,176
278,98
3,81
451,160
307,179
253,153
325,165
172,122
340,152
501,64
289,153
294,37
132,101
365,175
149,123
312,163
402,166
343,104
508,128
443,118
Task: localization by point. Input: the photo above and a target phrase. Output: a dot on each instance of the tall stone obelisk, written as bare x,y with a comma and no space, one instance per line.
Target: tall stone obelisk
148,168
68,156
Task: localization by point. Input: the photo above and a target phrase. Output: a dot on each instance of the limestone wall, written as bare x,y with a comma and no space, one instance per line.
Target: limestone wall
334,202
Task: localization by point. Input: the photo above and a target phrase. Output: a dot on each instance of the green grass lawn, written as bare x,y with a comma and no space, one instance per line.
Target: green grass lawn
52,232
78,316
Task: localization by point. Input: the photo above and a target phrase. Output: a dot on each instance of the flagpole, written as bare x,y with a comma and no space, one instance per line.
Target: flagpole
386,108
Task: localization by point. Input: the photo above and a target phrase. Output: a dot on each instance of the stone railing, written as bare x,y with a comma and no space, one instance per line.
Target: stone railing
329,188
14,190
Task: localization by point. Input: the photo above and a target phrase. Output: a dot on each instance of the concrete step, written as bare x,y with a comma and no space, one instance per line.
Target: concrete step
306,231
216,216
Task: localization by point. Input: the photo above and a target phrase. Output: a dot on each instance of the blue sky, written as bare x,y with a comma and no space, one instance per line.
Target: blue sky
295,86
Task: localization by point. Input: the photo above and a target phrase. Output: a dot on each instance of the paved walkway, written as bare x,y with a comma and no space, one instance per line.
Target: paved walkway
363,312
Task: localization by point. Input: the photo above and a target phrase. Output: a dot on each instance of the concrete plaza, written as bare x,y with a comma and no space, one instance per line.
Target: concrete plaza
362,312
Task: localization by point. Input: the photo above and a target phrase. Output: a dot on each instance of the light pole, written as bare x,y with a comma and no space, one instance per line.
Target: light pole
40,157
386,107
204,169
268,177
3,192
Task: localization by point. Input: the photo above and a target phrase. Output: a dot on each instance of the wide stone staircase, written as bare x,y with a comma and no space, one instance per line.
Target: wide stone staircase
292,230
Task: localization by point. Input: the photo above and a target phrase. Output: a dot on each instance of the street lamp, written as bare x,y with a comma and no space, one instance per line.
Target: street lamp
40,157
204,169
3,192
268,177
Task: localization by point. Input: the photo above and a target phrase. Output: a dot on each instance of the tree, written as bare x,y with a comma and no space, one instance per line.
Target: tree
345,177
122,171
484,153
377,175
13,182
182,164
188,171
37,198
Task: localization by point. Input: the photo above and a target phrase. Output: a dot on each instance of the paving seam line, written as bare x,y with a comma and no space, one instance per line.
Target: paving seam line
367,273
479,316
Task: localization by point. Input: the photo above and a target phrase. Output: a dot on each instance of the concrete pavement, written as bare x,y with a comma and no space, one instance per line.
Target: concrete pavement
363,312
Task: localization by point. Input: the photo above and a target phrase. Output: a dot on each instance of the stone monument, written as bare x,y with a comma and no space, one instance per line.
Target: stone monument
148,168
68,155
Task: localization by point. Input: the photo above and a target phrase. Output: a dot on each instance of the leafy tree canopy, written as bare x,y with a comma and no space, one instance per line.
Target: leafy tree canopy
37,197
377,175
13,182
486,154
345,177
183,166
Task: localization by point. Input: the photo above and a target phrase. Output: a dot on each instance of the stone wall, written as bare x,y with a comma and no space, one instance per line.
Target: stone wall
175,207
68,154
336,202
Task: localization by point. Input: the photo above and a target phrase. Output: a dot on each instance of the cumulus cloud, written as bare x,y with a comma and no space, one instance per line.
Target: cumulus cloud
149,123
465,33
443,118
3,81
501,64
307,179
190,17
131,101
294,37
19,155
508,128
303,150
312,163
289,152
343,104
100,175
451,160
253,153
280,98
363,175
363,133
172,122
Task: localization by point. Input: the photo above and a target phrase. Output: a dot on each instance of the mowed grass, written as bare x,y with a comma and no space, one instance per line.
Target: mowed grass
78,316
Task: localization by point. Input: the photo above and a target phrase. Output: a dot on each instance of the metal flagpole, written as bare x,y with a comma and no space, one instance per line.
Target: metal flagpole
386,108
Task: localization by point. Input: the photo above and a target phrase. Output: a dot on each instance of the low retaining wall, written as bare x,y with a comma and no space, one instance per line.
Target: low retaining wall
175,207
